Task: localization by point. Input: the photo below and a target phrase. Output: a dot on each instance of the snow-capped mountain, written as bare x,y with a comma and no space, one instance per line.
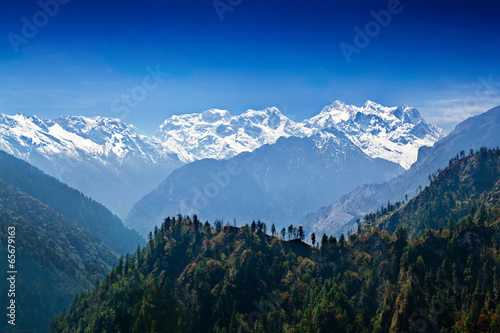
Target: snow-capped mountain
102,157
217,134
104,139
392,133
106,159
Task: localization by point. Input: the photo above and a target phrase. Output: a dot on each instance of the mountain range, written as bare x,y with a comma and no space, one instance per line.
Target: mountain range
391,133
109,161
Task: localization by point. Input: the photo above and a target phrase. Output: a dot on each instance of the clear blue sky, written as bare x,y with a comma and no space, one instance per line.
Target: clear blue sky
432,54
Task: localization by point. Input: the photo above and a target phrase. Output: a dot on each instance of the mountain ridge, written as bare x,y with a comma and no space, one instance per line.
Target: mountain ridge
109,161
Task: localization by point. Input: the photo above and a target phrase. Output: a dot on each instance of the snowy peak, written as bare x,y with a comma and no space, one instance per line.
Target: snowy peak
216,134
391,133
111,134
87,125
82,138
106,158
102,157
215,116
339,112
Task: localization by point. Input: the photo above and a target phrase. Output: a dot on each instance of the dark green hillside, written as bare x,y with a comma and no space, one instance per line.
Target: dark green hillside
69,202
469,186
55,258
192,278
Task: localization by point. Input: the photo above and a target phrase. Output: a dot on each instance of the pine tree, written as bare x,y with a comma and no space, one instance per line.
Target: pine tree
342,240
127,263
218,225
137,253
482,215
324,241
119,268
290,231
260,227
166,223
300,233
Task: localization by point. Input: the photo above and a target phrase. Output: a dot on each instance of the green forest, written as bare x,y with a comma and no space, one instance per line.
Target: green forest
433,273
56,258
69,202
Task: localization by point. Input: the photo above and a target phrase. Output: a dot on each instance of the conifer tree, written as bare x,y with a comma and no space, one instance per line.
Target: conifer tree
300,233
324,241
342,240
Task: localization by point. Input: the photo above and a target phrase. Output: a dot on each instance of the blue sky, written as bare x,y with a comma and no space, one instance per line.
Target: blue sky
442,58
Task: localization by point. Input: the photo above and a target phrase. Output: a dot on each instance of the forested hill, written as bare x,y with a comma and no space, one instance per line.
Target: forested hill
69,202
468,188
194,278
54,257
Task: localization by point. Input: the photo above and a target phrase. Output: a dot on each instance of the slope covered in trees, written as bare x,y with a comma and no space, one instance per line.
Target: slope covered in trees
69,202
468,188
195,278
55,258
